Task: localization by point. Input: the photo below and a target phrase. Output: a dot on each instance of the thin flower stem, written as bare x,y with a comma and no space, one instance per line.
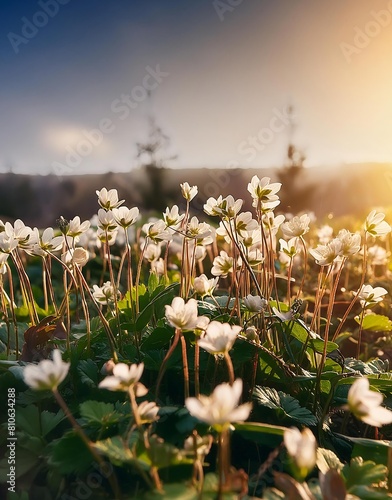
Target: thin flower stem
86,316
45,285
305,267
50,284
223,461
197,370
363,276
111,337
185,366
109,333
25,287
360,332
112,281
230,368
321,292
329,316
12,308
139,269
289,270
129,271
169,353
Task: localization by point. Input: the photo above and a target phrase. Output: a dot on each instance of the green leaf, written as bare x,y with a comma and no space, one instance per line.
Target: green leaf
153,282
88,372
266,434
159,297
35,423
300,333
364,473
69,454
374,367
116,451
285,406
375,323
157,339
163,454
370,449
367,493
177,491
96,412
327,459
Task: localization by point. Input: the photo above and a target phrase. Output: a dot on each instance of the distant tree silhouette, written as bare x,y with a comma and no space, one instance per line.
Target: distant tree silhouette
151,153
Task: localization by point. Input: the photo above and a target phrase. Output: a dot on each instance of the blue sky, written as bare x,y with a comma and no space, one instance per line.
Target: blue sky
229,75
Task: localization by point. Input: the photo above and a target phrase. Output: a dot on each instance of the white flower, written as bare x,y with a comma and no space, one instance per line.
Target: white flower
78,256
108,199
297,226
7,244
290,248
221,408
152,252
225,207
125,217
375,224
212,206
105,293
20,232
245,223
148,412
158,267
106,220
219,337
251,238
326,255
182,315
351,243
48,374
302,447
272,223
255,303
222,265
3,260
157,231
203,286
172,217
49,242
370,296
107,236
75,228
125,377
254,257
366,404
199,231
188,192
264,193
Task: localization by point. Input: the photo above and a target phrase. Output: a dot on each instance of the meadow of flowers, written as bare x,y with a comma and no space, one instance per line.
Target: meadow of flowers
241,356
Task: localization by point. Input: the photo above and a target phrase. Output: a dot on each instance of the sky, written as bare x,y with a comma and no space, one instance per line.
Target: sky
80,80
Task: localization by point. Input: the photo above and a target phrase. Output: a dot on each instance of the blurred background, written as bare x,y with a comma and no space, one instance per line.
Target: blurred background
141,96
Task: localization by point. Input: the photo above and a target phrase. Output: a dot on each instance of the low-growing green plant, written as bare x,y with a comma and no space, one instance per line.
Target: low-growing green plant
178,358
